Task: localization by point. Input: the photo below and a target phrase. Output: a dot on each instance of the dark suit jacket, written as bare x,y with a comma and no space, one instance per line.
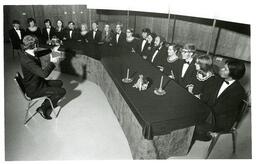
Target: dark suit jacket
161,57
34,75
60,34
144,51
226,107
121,40
188,74
45,34
75,34
16,41
97,37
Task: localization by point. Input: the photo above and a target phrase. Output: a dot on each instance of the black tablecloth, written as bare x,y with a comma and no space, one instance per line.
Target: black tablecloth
158,115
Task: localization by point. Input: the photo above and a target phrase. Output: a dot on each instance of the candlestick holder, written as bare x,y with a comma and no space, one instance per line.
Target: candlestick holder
159,91
127,79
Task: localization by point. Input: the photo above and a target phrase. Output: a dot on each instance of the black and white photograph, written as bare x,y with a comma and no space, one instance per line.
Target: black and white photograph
126,80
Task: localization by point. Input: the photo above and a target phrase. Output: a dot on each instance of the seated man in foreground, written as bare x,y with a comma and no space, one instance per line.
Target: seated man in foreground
34,76
224,94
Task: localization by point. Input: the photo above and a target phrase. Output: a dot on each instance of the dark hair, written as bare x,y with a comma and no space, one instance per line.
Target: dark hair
71,22
15,22
31,20
120,24
147,30
61,23
29,42
48,20
236,68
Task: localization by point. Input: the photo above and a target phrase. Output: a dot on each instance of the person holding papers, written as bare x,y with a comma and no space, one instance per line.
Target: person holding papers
34,76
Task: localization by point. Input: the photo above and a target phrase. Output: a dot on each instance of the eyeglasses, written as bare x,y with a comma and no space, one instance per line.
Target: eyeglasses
185,51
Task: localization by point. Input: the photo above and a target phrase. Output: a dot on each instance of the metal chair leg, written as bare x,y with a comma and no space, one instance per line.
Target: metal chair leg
213,142
26,115
234,138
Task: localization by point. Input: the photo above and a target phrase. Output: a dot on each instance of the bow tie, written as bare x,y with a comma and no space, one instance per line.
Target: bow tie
186,62
227,82
117,33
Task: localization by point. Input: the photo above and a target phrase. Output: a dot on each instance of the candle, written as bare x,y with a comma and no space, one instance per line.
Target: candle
127,76
161,83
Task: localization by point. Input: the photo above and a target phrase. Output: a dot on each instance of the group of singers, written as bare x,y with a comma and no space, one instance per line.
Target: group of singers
221,89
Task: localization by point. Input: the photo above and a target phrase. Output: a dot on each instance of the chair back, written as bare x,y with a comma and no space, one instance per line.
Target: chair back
19,81
241,114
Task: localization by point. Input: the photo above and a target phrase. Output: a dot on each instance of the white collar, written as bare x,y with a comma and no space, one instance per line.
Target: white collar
15,29
230,82
30,52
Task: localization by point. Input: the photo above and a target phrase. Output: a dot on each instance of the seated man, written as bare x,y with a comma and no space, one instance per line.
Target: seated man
16,35
224,94
94,36
158,56
186,68
71,32
143,41
34,76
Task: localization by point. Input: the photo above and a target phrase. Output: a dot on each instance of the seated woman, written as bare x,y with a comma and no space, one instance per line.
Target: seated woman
107,34
32,29
150,40
173,62
132,43
202,75
83,33
59,32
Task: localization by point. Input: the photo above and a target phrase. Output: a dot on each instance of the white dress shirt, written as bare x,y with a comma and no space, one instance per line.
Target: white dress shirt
18,32
224,86
93,34
185,67
117,37
143,44
153,57
70,33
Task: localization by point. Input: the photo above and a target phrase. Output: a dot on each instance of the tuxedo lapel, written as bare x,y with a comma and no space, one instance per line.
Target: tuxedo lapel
190,69
226,91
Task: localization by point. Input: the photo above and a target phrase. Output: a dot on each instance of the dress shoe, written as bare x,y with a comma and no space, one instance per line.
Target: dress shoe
43,114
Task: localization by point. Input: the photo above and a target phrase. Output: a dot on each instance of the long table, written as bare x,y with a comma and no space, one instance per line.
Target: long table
155,126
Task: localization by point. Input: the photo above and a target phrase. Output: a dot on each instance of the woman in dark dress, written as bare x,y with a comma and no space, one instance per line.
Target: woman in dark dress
132,43
173,62
33,30
83,36
59,32
150,39
201,76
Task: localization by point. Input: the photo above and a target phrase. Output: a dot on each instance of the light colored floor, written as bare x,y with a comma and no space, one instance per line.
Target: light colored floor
86,127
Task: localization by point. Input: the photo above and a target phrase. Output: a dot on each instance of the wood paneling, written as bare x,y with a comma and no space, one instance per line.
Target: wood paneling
190,32
77,13
233,44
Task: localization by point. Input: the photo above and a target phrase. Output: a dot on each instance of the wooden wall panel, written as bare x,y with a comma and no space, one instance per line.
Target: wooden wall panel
233,44
143,22
189,32
77,13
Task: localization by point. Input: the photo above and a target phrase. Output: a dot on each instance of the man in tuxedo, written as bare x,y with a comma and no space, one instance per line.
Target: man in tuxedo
158,56
94,36
224,95
48,31
187,67
143,42
119,37
16,35
34,76
71,33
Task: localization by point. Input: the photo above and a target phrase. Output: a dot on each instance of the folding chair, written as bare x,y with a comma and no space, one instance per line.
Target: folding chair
31,102
233,130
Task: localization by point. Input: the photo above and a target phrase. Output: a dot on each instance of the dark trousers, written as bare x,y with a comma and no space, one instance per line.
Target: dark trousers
54,91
